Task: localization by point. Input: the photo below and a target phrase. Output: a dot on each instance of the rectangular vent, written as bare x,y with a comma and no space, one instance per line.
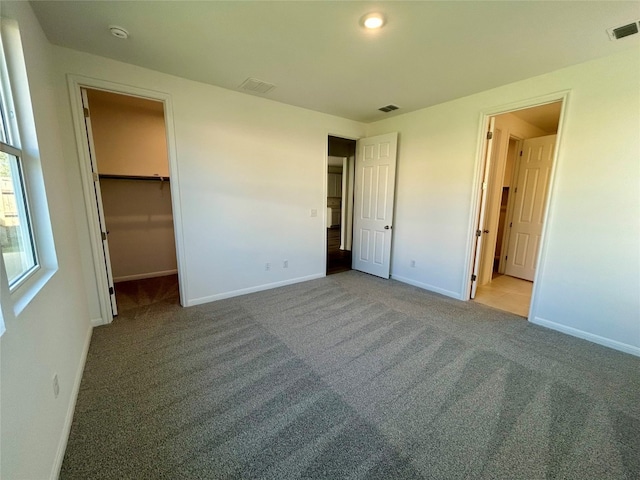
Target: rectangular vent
256,86
389,108
616,33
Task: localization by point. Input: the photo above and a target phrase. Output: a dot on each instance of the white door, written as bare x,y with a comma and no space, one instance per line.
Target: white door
483,207
98,194
530,200
375,180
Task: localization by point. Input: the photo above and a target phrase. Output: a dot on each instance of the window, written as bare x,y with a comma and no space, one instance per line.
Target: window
26,234
16,232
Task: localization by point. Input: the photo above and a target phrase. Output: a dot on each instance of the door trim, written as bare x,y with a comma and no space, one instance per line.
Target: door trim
75,83
564,97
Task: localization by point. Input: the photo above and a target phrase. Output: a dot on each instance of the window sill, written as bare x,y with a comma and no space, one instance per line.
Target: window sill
22,295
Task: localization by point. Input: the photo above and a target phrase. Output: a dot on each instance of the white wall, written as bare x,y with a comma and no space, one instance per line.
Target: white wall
250,172
52,333
589,276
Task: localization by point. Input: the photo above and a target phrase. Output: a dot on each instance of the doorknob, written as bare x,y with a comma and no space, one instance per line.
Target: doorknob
387,227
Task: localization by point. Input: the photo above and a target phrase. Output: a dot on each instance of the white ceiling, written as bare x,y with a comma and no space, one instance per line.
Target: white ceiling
319,57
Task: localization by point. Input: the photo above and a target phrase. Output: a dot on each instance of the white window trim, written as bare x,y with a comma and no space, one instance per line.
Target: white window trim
21,294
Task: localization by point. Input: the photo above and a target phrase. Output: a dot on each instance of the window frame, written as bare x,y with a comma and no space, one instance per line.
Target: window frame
17,95
10,143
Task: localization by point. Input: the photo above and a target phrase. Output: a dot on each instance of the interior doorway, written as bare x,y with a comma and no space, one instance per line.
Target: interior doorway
340,174
518,163
127,143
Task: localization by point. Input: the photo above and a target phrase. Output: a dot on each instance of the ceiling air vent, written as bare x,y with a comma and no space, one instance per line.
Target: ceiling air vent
616,33
389,108
256,86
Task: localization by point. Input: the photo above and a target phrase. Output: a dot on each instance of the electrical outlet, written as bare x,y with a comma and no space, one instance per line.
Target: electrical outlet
413,264
56,386
267,266
285,264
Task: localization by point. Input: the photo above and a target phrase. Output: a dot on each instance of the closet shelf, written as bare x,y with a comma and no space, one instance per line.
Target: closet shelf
156,178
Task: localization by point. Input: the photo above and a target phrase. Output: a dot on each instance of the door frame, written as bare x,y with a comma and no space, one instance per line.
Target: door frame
75,83
485,116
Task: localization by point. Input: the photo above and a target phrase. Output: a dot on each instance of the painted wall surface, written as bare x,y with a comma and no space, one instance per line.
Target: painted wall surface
129,135
589,273
250,172
52,333
140,224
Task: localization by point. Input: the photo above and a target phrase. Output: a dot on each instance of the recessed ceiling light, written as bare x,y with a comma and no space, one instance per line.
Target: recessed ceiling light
118,32
373,20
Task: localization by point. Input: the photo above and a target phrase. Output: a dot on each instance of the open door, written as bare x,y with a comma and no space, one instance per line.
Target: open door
483,206
98,198
375,178
530,201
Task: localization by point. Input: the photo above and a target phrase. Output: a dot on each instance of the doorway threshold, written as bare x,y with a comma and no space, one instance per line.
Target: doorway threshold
506,293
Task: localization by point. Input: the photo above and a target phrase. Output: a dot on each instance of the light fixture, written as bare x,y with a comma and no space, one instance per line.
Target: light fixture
118,32
373,21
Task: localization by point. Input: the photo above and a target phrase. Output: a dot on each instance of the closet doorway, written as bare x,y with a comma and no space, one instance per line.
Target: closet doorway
519,157
340,174
127,142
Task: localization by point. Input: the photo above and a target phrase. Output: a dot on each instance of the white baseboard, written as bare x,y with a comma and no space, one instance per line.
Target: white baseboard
244,291
426,286
140,276
96,322
607,342
66,428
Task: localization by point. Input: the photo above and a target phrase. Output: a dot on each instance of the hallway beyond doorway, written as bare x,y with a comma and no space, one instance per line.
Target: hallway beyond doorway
337,260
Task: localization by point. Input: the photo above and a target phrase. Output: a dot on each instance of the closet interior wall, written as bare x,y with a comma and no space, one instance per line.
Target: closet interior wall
131,152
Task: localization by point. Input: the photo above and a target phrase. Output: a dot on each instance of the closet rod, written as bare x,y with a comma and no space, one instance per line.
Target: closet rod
134,177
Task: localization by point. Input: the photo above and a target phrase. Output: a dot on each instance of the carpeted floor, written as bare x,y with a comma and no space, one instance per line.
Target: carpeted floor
350,377
136,293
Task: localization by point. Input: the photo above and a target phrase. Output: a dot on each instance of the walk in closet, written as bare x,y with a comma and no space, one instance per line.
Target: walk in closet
131,154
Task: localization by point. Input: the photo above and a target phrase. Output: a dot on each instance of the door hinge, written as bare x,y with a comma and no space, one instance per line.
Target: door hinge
86,112
510,224
520,152
111,291
104,235
489,135
515,190
478,233
484,185
96,177
473,278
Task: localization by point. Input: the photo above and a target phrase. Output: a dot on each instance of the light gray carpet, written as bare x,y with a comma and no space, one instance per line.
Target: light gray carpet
350,377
